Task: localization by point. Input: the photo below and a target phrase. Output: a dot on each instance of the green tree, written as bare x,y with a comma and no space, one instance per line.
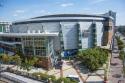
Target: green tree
28,62
25,65
93,58
120,43
1,57
17,60
5,58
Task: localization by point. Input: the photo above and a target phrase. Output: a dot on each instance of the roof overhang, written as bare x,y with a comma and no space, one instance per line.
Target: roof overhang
59,19
28,34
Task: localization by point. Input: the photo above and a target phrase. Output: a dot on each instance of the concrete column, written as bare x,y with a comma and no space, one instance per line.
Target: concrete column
2,28
34,51
47,53
22,46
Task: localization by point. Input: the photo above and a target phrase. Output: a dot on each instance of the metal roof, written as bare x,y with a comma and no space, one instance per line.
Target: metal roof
70,15
63,17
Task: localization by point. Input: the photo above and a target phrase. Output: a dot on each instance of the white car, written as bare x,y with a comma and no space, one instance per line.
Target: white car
74,77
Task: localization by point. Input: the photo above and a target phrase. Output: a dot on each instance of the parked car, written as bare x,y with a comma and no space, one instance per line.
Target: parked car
58,64
74,77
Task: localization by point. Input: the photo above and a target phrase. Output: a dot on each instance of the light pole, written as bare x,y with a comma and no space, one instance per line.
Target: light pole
124,63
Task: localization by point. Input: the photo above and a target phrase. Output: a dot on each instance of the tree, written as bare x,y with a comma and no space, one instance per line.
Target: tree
25,65
5,58
17,60
28,62
120,43
121,29
93,58
1,58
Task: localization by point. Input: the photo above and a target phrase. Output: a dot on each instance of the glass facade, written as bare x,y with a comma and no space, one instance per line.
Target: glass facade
4,27
35,45
38,46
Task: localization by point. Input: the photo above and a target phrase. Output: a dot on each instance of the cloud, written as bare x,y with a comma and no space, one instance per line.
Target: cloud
86,9
15,15
42,11
66,4
97,1
19,11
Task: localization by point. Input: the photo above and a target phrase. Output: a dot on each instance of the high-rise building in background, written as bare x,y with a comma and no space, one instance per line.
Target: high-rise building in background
4,27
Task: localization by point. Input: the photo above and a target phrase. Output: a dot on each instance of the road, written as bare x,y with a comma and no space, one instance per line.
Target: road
116,66
18,78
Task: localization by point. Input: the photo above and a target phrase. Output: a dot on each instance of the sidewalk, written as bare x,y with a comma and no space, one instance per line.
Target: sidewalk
116,66
72,68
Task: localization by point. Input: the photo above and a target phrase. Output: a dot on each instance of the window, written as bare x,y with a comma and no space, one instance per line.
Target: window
106,28
85,33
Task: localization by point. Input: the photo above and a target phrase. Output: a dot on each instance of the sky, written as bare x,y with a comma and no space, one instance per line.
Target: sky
12,10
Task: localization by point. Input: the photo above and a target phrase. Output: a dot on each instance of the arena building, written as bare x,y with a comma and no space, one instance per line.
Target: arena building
61,34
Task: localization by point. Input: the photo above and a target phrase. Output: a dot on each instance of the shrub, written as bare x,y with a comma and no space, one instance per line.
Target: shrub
44,76
65,80
53,79
122,54
120,43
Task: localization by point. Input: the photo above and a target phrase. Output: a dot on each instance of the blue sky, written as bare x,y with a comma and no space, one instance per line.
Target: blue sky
23,9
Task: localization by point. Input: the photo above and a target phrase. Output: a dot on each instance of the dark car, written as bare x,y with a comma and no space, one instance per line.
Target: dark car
58,64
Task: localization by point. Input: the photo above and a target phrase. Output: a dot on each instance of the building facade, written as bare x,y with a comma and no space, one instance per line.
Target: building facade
50,35
4,27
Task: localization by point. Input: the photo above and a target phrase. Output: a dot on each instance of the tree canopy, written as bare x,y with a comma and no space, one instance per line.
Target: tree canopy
93,58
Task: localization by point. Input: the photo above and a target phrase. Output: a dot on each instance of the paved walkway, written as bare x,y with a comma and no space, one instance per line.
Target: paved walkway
116,66
72,68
